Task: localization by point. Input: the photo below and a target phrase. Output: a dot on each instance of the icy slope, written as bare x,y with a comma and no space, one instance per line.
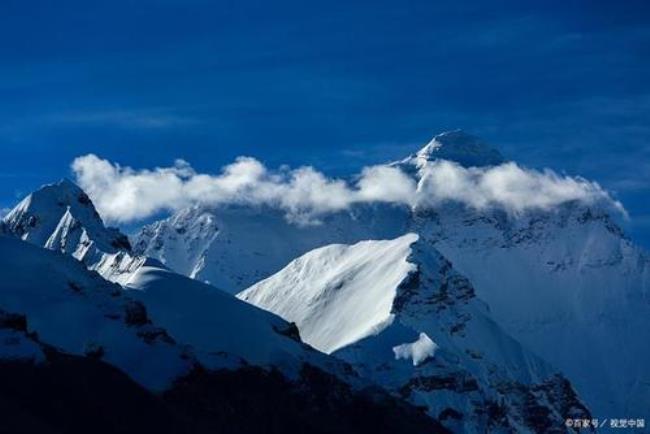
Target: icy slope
402,316
80,313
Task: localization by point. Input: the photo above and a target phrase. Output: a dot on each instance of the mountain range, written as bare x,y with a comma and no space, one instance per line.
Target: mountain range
431,317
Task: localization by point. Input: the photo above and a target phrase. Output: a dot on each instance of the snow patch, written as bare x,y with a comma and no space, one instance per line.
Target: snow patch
418,351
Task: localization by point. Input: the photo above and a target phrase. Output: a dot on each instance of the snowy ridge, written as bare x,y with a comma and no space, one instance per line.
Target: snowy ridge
69,341
235,247
187,236
221,328
337,294
80,313
401,299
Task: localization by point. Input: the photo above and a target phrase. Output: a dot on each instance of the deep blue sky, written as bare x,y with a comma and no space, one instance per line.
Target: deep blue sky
334,84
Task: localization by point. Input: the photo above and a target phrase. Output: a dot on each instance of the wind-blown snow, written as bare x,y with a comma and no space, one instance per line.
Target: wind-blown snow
417,351
305,194
333,285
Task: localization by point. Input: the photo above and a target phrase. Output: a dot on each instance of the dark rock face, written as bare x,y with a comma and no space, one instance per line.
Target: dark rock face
135,313
459,382
120,241
71,394
252,400
544,406
290,331
13,321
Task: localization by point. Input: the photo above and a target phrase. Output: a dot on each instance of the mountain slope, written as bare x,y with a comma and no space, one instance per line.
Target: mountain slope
234,247
220,328
46,391
378,302
557,281
80,313
338,294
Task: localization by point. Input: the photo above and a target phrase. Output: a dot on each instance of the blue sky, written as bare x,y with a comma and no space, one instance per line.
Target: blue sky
334,84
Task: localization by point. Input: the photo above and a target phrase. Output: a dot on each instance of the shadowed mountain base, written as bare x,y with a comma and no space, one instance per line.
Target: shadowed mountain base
71,394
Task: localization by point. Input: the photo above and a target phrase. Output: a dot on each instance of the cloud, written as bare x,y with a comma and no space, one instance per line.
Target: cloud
123,194
508,185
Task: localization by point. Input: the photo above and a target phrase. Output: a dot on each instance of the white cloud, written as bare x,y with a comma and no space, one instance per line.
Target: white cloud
124,194
508,186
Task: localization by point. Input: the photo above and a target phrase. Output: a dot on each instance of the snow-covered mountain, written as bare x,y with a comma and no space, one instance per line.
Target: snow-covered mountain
72,344
234,247
569,285
563,280
555,278
57,313
401,315
221,330
62,217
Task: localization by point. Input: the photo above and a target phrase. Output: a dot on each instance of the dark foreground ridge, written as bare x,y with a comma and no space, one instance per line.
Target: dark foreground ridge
73,394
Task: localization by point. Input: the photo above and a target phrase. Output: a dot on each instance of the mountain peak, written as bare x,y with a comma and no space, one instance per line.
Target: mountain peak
67,184
61,216
462,148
